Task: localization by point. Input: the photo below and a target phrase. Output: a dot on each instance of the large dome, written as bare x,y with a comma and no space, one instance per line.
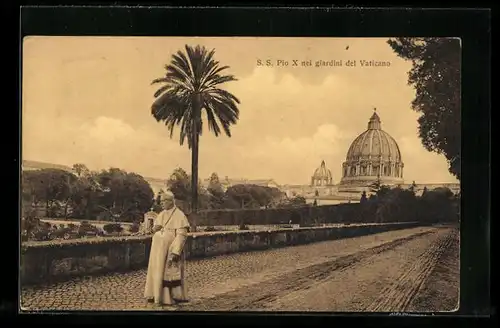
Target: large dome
374,143
373,155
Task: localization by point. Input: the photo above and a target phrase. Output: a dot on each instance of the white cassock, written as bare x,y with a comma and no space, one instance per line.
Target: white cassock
166,284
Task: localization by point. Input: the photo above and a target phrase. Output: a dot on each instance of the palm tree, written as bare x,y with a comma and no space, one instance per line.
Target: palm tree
191,84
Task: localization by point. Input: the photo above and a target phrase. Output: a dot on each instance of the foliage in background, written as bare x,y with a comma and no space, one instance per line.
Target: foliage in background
398,205
437,80
214,197
107,195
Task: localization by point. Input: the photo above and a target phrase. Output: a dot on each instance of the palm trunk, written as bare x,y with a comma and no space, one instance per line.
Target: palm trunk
194,176
194,160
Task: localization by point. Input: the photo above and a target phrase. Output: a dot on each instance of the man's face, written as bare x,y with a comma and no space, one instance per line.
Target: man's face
167,203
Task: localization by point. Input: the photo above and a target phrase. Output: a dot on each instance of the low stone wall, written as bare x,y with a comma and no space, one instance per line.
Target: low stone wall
44,262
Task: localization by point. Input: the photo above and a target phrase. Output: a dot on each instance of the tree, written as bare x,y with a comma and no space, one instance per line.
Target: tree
438,205
262,195
395,204
80,169
242,195
216,191
129,195
253,196
190,85
299,201
50,186
214,184
436,78
180,184
85,194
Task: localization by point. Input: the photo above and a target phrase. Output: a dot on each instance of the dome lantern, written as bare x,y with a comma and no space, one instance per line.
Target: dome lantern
374,123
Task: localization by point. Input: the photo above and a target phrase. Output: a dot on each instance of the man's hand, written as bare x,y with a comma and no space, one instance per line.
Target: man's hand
157,228
174,257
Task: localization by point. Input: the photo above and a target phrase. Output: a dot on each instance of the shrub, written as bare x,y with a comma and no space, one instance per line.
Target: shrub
34,229
87,229
62,232
40,233
112,227
28,224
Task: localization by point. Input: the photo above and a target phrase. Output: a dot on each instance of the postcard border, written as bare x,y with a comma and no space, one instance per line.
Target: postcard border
472,26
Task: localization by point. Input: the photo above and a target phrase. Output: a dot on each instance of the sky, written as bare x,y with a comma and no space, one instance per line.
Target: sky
88,100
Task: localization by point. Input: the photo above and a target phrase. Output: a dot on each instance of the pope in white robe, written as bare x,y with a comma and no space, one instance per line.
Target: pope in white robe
165,276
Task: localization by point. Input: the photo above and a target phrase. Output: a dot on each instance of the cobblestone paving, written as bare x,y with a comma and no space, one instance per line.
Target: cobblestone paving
206,278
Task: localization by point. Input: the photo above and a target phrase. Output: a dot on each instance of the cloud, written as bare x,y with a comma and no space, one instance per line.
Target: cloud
327,141
107,130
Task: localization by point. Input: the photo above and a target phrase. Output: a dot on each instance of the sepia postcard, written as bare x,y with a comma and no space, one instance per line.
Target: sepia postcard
240,174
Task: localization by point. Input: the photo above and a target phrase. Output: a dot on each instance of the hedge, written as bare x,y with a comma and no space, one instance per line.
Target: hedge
396,208
298,215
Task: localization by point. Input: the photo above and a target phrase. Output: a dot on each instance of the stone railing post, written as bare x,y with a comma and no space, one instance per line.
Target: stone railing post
149,219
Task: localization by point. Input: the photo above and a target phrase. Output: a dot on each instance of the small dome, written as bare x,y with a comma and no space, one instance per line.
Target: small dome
322,176
374,143
322,172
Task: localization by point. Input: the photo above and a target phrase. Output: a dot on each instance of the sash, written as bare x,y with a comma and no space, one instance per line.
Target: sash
168,220
172,275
